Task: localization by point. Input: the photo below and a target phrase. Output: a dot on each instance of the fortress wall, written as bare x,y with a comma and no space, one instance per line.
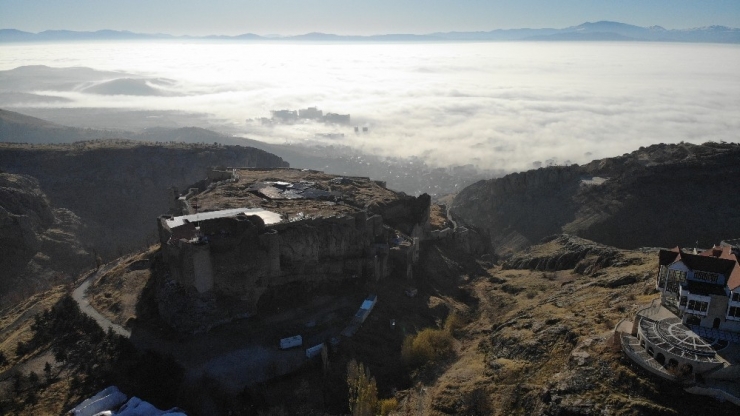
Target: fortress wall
202,269
244,259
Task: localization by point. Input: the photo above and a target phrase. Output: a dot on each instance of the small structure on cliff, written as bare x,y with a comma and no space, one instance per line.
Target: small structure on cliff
254,232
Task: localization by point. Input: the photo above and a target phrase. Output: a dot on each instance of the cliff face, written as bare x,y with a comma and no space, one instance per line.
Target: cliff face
662,195
117,187
38,242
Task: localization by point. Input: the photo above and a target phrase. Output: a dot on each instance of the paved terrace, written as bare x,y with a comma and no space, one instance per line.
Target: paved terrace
672,336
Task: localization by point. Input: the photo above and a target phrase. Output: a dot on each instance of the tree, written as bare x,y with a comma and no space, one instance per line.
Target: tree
363,392
33,378
47,371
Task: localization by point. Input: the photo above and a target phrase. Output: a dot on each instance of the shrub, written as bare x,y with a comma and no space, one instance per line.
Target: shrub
388,405
427,346
454,323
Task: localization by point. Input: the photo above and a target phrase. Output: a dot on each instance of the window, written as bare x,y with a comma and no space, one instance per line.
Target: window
662,276
683,301
736,297
706,276
695,305
675,278
734,312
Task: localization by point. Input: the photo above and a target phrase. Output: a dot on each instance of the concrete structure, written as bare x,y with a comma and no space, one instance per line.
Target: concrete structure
367,306
291,342
314,351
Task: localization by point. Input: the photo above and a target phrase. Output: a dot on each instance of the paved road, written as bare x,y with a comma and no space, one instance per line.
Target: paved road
449,218
79,295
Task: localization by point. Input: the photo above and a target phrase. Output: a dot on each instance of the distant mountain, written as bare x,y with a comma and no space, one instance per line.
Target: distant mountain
589,31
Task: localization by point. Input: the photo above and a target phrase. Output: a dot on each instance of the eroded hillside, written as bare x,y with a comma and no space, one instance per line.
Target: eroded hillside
40,243
661,195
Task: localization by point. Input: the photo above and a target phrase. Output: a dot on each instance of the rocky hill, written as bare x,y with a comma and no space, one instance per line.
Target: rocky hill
39,242
661,195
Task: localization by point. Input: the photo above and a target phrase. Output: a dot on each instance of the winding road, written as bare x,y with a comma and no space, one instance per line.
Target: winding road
79,295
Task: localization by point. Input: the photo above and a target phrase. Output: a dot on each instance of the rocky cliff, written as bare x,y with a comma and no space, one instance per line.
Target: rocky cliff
119,187
38,242
661,195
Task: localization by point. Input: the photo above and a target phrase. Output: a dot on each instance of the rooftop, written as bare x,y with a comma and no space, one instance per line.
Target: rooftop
292,193
267,216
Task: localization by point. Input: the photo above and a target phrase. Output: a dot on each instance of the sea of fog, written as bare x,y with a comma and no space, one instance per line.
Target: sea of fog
502,105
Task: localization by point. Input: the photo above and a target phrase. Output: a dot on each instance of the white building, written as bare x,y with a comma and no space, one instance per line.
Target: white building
704,289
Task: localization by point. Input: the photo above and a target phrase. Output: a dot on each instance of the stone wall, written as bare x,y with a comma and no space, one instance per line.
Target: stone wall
241,257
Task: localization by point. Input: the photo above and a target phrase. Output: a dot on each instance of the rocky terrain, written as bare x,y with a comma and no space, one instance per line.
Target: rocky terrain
661,195
40,243
526,342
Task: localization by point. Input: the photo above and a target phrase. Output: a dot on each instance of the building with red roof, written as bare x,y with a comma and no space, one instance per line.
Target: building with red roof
702,288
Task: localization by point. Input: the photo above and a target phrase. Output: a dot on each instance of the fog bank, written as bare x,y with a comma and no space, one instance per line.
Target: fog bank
492,105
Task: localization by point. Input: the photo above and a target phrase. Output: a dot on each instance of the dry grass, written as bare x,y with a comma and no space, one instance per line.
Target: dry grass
16,322
522,306
117,292
437,217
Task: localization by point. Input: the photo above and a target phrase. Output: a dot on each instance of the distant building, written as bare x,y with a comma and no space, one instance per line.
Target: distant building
337,118
310,113
284,115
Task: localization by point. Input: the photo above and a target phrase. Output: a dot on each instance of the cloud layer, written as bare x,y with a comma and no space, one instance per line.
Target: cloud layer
493,105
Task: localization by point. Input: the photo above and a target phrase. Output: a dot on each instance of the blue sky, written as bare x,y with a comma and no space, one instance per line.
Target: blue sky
230,17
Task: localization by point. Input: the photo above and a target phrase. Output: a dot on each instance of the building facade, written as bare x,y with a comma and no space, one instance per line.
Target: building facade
703,289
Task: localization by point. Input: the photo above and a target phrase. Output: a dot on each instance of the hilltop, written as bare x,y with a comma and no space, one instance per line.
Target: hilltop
658,196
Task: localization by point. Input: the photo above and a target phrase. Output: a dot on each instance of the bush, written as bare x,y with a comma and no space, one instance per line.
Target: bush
454,323
427,346
388,405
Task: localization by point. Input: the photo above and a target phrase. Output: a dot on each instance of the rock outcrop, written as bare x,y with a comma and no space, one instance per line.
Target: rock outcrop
565,252
38,242
661,195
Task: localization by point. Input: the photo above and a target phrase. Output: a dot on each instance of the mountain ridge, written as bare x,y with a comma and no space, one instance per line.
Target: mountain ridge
657,196
593,31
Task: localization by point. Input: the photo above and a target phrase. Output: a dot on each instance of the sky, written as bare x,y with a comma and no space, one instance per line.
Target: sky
354,17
